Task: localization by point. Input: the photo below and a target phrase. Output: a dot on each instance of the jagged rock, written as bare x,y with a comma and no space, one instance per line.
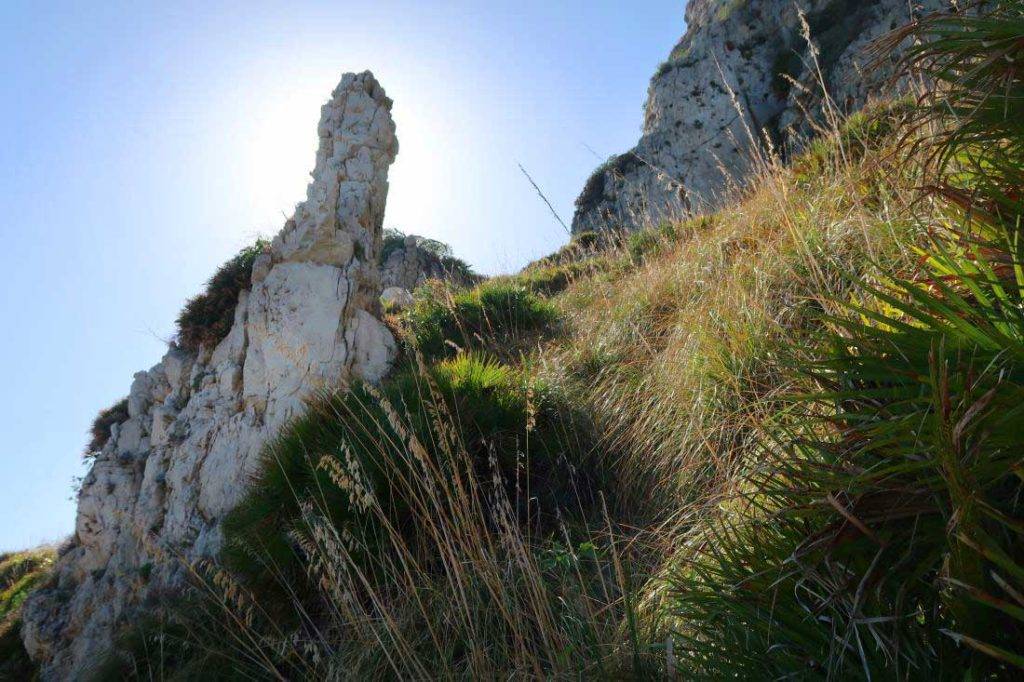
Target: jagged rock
722,89
396,298
156,493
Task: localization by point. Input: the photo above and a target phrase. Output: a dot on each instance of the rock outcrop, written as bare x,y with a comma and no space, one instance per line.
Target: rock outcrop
154,498
411,264
742,71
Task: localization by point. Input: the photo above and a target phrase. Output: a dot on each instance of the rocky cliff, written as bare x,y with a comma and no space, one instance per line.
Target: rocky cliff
153,500
741,79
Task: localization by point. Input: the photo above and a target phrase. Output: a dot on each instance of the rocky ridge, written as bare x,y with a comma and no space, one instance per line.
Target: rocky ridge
153,500
740,79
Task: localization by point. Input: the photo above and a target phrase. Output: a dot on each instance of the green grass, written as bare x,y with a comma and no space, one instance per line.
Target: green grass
20,573
349,446
444,321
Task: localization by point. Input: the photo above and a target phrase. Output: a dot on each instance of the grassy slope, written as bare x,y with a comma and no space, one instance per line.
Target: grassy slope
678,345
20,572
675,343
682,355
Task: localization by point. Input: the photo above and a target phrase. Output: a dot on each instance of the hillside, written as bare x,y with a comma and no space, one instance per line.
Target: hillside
778,439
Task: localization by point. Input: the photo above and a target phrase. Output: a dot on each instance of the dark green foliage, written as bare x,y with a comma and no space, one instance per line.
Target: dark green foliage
786,68
974,61
207,318
186,642
443,321
15,663
99,432
502,418
617,166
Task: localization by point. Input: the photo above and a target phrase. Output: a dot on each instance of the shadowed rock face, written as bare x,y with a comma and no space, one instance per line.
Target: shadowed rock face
156,493
727,84
411,265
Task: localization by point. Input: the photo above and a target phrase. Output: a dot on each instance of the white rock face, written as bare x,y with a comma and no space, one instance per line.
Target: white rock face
721,89
197,422
396,298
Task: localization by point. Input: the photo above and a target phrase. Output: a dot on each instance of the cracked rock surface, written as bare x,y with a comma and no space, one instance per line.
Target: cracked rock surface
156,493
741,76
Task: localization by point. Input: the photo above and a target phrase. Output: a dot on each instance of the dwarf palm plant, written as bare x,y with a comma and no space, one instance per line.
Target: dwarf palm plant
882,532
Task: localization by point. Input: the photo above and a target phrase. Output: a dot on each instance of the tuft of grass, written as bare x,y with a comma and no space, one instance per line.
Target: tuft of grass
206,319
443,321
99,432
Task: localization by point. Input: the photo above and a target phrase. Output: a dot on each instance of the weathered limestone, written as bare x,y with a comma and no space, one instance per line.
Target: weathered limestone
710,105
156,493
396,298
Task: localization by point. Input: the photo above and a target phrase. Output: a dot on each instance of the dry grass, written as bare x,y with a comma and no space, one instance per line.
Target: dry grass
683,358
677,346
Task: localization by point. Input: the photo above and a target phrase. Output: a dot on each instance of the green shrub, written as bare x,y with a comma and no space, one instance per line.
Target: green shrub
443,322
99,432
644,243
207,318
349,449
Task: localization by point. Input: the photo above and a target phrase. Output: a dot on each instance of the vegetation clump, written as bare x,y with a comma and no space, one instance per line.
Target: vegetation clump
20,573
207,318
99,432
346,452
497,312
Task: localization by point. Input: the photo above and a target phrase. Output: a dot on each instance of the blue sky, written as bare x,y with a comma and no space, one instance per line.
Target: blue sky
142,144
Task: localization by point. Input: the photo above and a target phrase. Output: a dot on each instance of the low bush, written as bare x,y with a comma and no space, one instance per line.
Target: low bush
185,641
443,321
863,131
99,432
207,318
